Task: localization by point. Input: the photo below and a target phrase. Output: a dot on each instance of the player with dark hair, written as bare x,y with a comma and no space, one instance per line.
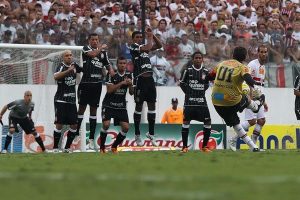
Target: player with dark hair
257,71
95,61
194,81
144,83
114,104
65,100
227,96
20,113
297,97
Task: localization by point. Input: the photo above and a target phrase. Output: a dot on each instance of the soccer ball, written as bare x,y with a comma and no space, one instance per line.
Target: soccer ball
256,93
245,88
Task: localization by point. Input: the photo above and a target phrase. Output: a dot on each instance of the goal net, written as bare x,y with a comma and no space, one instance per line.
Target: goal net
32,64
31,67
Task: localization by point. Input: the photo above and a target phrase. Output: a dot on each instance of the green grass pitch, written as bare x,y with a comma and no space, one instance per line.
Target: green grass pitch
162,175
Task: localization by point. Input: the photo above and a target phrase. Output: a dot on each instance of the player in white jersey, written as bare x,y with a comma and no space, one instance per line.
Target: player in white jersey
258,71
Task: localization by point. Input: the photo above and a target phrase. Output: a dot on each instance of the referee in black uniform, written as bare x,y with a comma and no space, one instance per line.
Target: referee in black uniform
95,61
194,81
143,80
297,99
65,100
114,104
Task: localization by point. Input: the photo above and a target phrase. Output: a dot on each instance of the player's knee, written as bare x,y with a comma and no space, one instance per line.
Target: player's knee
252,122
105,126
261,121
125,128
138,107
151,106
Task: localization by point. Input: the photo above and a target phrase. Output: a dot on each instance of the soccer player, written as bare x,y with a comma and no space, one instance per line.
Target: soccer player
95,60
173,115
257,71
65,100
144,83
297,97
227,96
194,81
114,104
20,113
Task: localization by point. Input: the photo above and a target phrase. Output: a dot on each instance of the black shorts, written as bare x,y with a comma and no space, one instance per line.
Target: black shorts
26,124
145,90
198,113
89,94
229,113
119,115
65,113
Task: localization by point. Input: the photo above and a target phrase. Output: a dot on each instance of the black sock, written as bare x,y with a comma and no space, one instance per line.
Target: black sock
7,141
40,142
56,138
137,121
102,139
70,139
151,122
206,136
118,140
79,121
185,135
93,123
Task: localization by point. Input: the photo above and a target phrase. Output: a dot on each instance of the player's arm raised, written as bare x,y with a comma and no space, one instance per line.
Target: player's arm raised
157,44
147,47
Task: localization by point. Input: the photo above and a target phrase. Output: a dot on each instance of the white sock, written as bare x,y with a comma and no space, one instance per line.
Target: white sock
257,130
246,125
242,134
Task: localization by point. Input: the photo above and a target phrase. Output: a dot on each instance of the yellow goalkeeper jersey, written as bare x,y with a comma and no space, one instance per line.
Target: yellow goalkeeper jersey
227,89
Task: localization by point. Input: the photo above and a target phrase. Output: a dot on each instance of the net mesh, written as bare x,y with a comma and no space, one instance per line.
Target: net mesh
30,65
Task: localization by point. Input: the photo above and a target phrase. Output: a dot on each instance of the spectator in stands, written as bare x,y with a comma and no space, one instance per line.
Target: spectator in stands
293,52
163,73
296,32
46,38
177,31
6,37
198,44
173,115
186,50
7,26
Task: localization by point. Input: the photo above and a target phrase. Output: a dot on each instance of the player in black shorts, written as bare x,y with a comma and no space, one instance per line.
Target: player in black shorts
65,100
114,104
20,113
297,97
144,83
95,61
194,81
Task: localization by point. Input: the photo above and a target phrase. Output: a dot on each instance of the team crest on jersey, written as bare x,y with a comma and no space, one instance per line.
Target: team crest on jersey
203,76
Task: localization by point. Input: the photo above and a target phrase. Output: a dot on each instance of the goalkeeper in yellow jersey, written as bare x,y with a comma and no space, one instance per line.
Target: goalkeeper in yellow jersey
227,96
257,71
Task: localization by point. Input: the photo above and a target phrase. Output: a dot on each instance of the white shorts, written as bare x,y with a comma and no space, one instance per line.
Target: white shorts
249,114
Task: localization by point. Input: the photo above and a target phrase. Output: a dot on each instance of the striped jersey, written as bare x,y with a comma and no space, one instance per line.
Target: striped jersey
117,99
194,82
19,109
258,72
297,87
66,92
93,68
227,89
141,61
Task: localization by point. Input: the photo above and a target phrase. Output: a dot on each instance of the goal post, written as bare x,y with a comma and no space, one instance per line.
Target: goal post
31,67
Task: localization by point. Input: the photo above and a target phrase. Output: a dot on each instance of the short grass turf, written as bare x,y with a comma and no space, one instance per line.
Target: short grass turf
169,175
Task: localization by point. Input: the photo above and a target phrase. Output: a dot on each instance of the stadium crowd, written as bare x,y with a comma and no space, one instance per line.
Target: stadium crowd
212,27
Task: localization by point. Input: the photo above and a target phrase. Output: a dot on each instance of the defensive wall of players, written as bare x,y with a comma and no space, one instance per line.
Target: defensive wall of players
282,130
